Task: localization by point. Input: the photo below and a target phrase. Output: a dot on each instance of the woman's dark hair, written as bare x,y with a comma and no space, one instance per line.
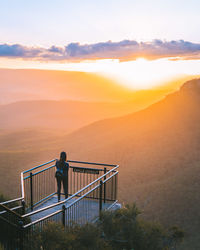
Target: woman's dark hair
63,156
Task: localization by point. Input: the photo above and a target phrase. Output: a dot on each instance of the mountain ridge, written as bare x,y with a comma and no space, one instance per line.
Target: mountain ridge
158,152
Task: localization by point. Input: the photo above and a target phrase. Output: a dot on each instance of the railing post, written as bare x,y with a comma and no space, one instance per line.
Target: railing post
21,234
63,215
67,186
104,197
23,207
100,197
31,189
116,183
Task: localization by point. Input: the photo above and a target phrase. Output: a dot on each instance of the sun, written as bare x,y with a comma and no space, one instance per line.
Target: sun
139,74
142,73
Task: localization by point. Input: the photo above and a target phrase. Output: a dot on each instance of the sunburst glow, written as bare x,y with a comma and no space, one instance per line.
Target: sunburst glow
138,74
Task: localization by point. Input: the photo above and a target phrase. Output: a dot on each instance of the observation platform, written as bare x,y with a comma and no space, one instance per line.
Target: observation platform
92,188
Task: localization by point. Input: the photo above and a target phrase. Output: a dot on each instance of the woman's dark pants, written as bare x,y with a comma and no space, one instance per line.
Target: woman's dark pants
64,180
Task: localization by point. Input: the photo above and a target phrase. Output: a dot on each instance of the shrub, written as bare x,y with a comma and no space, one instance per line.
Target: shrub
54,236
123,230
120,229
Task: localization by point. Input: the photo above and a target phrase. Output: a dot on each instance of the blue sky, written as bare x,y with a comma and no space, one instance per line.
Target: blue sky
49,22
108,37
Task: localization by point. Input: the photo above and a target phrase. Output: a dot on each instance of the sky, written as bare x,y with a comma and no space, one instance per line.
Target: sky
116,38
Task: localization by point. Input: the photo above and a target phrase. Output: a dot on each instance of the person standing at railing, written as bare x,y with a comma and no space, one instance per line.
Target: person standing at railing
62,169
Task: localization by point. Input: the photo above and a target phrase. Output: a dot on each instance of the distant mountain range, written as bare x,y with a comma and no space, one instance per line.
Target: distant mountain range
158,151
41,99
32,84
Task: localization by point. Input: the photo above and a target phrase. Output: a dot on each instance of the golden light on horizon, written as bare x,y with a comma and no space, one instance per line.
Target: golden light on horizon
138,74
147,74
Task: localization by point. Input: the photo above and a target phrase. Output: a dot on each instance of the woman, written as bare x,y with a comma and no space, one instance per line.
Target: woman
62,174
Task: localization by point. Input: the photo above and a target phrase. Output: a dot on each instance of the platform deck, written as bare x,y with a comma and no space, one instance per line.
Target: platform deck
88,209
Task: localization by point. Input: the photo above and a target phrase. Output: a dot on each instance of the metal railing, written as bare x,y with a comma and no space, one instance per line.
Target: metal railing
11,224
92,188
39,183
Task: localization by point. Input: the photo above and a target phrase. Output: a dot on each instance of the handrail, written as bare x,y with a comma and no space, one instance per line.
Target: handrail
54,166
110,177
39,172
93,163
11,211
10,201
80,198
81,162
46,163
41,219
64,201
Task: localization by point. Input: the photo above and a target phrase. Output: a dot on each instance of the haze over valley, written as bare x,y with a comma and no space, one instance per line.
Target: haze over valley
157,147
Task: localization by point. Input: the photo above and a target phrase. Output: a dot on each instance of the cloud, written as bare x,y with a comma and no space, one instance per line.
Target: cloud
17,50
124,50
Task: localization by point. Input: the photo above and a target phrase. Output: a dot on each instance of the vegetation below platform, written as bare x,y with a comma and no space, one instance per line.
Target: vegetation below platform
121,229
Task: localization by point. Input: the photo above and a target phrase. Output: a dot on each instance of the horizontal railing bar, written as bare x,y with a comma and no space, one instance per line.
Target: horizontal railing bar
93,163
81,162
83,196
11,211
46,163
61,202
39,172
10,201
46,198
27,177
54,166
112,205
41,219
110,177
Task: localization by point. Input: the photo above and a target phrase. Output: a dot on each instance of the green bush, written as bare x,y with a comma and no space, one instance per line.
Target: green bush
120,229
54,237
123,230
